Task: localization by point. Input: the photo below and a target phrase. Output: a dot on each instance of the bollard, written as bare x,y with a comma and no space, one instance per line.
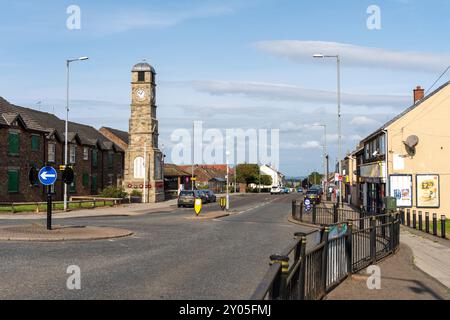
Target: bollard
443,235
314,214
414,219
408,218
302,271
294,203
420,221
435,226
427,222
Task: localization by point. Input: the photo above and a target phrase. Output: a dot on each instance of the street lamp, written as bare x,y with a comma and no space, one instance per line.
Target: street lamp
66,143
338,60
228,181
325,165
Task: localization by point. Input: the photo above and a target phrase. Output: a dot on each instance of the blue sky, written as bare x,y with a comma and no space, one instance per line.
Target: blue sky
232,64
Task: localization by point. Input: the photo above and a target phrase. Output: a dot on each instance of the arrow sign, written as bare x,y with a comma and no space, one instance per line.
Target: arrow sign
48,176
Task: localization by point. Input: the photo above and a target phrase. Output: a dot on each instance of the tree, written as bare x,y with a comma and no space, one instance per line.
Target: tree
266,180
247,173
315,178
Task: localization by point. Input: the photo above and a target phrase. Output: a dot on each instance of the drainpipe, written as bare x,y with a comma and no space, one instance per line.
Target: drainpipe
388,185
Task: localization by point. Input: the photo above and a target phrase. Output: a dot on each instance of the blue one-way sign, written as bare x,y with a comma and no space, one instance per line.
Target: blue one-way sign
48,176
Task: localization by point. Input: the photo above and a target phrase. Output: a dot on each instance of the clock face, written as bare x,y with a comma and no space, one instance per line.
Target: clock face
140,94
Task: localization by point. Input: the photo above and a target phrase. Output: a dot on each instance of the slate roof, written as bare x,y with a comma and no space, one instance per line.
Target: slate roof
122,135
49,123
172,170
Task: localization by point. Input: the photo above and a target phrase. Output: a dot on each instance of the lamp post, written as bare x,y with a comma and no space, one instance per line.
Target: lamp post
228,182
66,142
325,164
338,61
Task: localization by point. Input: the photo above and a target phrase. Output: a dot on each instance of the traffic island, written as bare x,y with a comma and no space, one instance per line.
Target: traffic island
38,232
209,216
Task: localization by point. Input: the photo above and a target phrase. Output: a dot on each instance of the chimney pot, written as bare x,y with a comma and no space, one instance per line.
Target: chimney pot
419,94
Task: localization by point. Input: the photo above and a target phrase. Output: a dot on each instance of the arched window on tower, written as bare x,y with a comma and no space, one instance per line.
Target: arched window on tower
139,168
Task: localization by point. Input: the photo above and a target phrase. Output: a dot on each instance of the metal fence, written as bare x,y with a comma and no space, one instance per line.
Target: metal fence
345,248
322,214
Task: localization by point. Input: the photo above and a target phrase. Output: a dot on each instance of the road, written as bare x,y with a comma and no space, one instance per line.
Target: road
169,256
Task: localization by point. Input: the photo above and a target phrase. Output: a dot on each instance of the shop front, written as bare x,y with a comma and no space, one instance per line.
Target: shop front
374,186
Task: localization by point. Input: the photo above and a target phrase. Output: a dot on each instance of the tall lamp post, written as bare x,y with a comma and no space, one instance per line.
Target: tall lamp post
66,142
325,164
338,61
228,181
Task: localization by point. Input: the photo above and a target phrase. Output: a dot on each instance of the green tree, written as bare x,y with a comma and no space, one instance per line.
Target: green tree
315,178
247,173
266,180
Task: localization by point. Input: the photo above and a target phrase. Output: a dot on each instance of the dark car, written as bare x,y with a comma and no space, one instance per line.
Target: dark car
211,196
204,196
187,198
314,195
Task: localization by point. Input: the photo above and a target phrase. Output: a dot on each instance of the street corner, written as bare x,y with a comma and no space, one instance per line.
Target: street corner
209,216
39,233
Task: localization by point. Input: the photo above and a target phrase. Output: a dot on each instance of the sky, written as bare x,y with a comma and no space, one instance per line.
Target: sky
231,64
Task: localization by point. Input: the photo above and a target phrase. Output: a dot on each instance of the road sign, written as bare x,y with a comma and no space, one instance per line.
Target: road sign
307,202
198,205
48,176
223,203
308,208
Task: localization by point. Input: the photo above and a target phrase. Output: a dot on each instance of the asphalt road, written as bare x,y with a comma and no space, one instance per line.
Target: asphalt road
169,257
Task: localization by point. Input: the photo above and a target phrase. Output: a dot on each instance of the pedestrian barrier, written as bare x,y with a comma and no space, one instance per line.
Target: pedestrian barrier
345,247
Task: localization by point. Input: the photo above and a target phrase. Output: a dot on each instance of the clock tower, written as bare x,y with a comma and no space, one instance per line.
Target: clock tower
143,159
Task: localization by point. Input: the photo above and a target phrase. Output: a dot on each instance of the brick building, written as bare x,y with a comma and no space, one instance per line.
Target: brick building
30,138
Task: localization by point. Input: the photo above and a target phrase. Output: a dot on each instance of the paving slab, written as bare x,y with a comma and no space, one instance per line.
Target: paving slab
38,232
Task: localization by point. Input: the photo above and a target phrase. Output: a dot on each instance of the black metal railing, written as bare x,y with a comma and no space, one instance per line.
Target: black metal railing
344,248
415,219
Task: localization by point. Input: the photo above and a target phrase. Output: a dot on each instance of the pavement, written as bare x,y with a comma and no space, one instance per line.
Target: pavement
167,257
39,233
401,279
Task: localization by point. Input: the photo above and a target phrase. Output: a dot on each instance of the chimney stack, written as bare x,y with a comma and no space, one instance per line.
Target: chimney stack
419,94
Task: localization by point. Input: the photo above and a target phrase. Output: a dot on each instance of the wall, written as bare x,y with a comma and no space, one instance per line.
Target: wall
430,122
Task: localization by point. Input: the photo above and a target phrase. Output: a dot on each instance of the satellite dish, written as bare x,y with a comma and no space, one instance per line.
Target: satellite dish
412,141
411,144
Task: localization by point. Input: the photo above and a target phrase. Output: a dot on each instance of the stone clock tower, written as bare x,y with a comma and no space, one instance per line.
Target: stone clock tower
143,159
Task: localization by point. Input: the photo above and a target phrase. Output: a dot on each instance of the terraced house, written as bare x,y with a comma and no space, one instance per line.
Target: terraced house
30,138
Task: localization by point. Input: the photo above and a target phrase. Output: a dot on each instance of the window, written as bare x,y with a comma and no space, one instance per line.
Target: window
139,169
51,152
35,143
73,186
85,153
13,144
141,76
13,181
73,152
110,159
382,144
367,152
94,158
85,180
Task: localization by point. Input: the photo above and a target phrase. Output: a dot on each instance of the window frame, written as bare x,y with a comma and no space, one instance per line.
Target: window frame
17,136
17,189
72,153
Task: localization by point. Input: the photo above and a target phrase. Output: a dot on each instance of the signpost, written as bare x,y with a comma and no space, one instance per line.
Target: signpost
47,177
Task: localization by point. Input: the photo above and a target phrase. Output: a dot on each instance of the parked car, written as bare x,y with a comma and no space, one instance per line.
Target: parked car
300,190
275,190
314,196
187,198
211,196
204,196
286,191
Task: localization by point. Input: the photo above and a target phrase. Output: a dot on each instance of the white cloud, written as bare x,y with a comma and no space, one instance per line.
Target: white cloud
363,121
304,145
123,21
279,91
358,56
